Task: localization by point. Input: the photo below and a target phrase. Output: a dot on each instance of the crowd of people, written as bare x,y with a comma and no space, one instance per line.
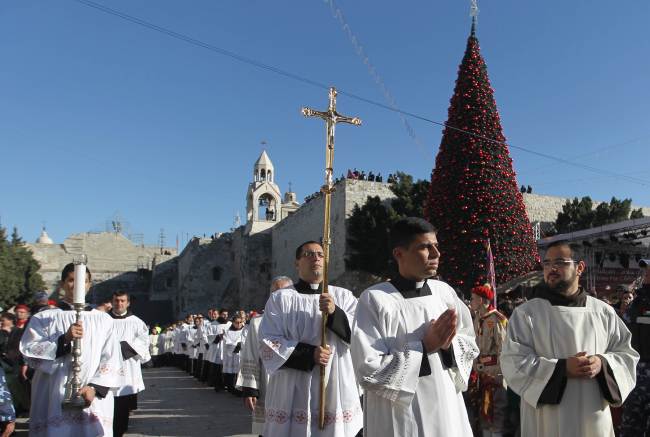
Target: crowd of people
356,175
408,357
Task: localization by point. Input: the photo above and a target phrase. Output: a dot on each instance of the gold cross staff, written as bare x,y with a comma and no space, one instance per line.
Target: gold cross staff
331,118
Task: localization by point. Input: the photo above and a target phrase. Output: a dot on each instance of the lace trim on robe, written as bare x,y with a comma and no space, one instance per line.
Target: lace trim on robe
250,371
465,355
392,375
306,417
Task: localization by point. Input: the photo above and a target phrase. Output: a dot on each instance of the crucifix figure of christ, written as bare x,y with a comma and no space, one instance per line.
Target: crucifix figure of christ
331,118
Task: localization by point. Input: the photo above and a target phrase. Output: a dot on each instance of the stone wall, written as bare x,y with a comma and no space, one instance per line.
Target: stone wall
232,271
109,255
307,224
541,208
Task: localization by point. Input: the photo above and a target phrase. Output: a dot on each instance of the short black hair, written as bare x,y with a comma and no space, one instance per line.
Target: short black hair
120,293
299,248
566,243
69,268
404,231
8,316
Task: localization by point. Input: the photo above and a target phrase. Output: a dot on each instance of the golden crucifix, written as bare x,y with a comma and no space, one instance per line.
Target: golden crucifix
331,118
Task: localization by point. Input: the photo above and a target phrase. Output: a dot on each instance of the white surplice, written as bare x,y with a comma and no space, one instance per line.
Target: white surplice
292,396
538,335
132,330
154,344
252,374
210,333
193,339
387,352
202,338
183,339
216,350
100,364
231,339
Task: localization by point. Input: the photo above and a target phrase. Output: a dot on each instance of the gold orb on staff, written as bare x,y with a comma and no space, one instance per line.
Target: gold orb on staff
331,118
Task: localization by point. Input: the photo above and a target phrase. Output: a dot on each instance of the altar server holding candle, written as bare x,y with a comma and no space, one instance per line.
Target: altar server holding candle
47,346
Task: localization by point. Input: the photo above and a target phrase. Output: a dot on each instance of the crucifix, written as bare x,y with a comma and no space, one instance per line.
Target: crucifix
331,118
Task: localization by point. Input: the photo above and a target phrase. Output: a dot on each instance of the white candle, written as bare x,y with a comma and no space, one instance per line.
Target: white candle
79,283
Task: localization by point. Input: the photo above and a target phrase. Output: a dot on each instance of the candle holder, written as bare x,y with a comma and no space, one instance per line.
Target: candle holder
71,398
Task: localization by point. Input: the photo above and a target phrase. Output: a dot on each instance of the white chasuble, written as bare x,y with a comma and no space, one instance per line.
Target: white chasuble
538,335
292,396
100,365
388,354
133,331
252,375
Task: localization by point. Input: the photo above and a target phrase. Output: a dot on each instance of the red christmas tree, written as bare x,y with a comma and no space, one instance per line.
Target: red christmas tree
474,195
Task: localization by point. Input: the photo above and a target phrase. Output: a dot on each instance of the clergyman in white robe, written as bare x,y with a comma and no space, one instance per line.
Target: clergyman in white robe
289,332
232,344
542,334
43,349
252,378
131,333
407,392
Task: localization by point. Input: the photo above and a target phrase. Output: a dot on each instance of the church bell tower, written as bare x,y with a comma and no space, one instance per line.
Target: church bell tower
263,200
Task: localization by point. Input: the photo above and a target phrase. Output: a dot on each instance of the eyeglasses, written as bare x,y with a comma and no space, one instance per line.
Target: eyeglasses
313,254
557,263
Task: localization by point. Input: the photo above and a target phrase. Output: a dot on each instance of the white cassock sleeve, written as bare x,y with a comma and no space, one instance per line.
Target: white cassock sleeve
39,343
140,343
391,374
524,371
275,346
464,347
621,357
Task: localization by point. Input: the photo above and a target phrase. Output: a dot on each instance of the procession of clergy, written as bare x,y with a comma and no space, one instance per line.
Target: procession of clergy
397,360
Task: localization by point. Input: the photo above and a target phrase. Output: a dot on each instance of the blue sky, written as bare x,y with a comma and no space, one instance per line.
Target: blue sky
101,117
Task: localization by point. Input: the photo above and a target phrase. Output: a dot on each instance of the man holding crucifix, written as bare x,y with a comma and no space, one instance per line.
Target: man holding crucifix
291,352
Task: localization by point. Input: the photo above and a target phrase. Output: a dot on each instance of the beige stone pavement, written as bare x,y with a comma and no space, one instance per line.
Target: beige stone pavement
175,404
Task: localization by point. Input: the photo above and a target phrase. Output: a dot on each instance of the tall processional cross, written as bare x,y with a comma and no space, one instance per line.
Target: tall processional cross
331,118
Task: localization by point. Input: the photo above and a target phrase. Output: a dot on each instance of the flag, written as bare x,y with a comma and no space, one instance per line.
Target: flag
491,276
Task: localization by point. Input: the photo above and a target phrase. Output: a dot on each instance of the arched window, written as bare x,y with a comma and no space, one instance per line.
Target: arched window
269,176
256,176
262,175
267,208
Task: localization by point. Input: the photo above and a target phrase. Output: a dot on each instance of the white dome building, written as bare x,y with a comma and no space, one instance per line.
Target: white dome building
44,238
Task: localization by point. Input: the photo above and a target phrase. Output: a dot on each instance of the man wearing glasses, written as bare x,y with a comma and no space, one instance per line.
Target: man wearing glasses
292,356
567,354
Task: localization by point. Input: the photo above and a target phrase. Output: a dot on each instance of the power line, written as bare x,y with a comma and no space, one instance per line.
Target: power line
597,151
337,13
305,80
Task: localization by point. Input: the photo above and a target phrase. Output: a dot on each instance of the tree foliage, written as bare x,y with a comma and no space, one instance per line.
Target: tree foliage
580,214
474,192
369,224
19,277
